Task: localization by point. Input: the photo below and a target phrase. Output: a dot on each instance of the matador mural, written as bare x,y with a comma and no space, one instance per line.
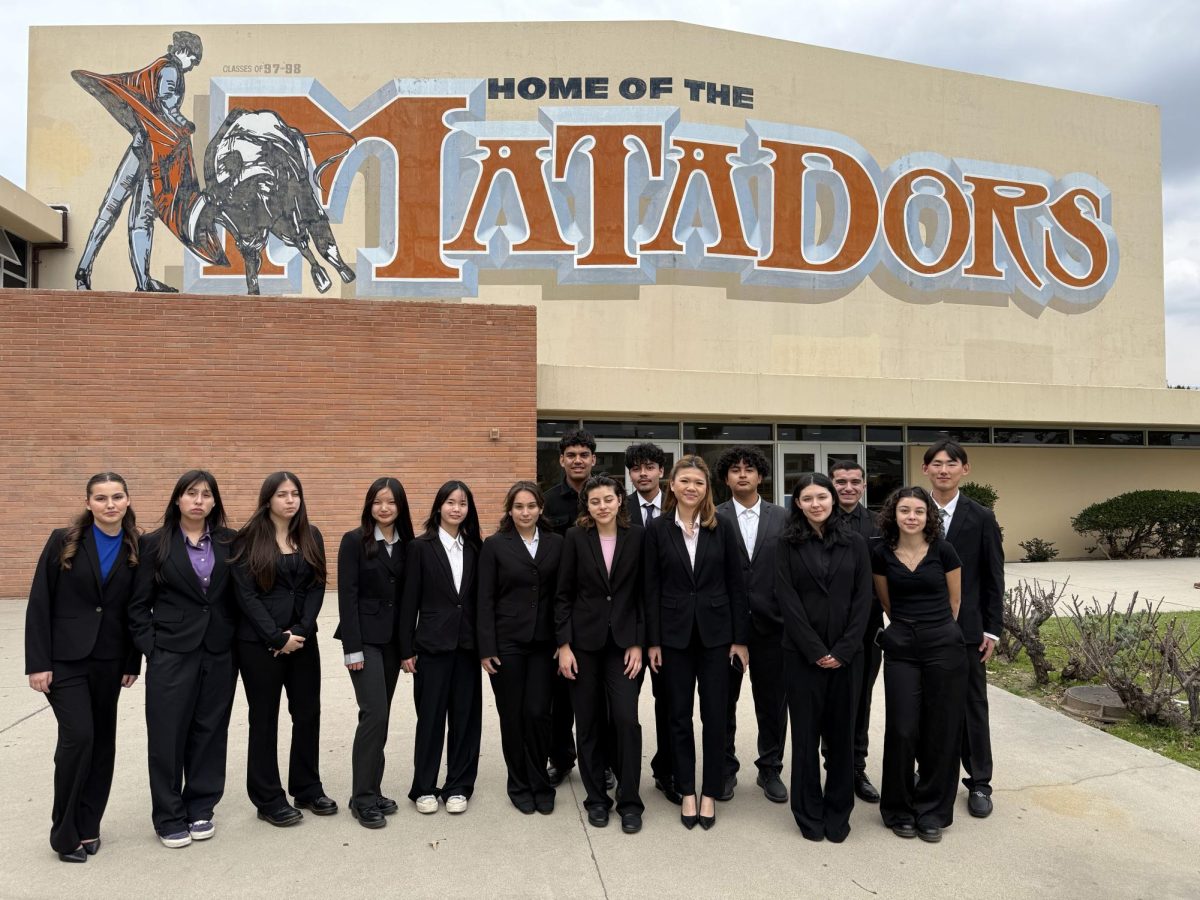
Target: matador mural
260,178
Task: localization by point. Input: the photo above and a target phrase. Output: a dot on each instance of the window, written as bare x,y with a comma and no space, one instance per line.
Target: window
725,431
885,472
1031,435
929,434
885,434
1090,436
1174,439
845,434
635,431
14,260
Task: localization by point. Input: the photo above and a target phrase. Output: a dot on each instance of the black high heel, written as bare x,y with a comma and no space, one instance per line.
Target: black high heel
92,847
689,822
707,822
78,855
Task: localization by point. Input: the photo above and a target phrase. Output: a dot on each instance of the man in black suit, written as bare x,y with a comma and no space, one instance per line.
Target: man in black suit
577,456
759,524
973,532
850,483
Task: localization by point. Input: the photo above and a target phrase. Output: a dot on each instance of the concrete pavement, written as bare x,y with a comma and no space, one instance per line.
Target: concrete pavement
1169,580
1079,814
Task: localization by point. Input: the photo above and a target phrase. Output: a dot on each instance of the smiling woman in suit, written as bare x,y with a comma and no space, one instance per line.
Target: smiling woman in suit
599,621
697,623
183,617
279,577
437,646
823,589
518,570
370,588
78,653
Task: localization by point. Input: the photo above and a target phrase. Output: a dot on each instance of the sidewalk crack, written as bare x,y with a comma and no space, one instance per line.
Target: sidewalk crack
23,718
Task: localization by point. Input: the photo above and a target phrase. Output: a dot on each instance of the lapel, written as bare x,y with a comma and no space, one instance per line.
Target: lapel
835,561
593,541
469,554
539,555
766,515
962,512
676,539
178,557
807,551
443,559
729,510
390,560
88,541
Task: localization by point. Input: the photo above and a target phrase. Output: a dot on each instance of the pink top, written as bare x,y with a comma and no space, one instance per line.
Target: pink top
608,546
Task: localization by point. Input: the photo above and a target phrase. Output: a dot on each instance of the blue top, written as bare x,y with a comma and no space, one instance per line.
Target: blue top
108,548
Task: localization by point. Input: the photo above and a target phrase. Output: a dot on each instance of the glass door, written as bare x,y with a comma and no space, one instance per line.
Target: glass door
796,459
610,458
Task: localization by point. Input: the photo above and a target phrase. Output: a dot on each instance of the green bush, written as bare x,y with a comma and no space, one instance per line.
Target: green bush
1142,524
1038,550
983,494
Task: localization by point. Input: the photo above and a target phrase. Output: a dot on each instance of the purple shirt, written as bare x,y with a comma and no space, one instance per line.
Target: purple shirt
201,556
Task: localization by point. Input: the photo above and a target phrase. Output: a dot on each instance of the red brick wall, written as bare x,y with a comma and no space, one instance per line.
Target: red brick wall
338,391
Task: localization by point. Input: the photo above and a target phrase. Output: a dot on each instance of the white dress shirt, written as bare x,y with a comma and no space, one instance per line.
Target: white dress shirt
689,542
748,518
531,545
656,503
454,552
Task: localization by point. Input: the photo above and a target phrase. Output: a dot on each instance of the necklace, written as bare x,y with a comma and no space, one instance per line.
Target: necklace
911,559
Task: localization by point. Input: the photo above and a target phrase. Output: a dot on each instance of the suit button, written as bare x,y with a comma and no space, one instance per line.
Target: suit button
204,609
458,605
392,580
99,609
390,603
609,599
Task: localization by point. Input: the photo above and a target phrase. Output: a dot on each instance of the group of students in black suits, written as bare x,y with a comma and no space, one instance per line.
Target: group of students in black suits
582,588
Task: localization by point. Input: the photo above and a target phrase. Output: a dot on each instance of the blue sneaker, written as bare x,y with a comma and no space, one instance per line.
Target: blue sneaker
202,829
176,840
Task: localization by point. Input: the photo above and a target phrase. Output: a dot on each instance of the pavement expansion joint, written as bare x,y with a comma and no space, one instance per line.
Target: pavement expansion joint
23,718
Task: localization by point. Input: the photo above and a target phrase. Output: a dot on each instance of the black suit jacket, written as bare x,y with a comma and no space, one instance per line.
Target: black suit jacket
72,615
516,591
590,600
975,535
434,617
170,609
758,571
369,592
711,597
824,613
292,604
633,506
864,522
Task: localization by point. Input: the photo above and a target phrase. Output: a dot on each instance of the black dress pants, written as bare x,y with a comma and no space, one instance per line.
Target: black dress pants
977,734
189,697
821,703
562,737
83,695
770,702
662,765
264,677
682,671
872,659
600,689
374,686
447,690
523,685
925,683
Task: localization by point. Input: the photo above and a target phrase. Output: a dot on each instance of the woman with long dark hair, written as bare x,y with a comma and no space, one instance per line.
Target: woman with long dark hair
78,653
823,588
918,581
697,624
370,588
599,622
279,574
183,616
518,572
437,646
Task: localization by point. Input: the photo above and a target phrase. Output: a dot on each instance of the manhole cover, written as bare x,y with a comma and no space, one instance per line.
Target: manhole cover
1095,701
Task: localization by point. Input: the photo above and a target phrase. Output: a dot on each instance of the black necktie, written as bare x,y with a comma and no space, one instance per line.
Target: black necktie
649,508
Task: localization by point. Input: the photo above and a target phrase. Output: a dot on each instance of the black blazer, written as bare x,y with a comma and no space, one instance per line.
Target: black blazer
633,506
369,592
591,600
975,535
712,598
759,572
824,614
175,613
72,615
292,604
863,521
516,591
447,616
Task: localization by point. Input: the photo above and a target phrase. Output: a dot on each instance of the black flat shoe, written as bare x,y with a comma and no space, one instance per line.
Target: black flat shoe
319,806
386,806
91,848
631,823
544,806
689,822
864,790
76,855
930,834
597,816
979,804
727,790
370,817
667,787
282,818
904,830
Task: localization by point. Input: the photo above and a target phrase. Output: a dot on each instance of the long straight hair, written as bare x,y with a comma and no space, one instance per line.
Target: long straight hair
708,509
506,520
83,521
256,546
173,515
800,530
403,524
469,529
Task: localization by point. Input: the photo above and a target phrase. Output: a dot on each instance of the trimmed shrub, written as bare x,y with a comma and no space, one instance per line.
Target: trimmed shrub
1037,550
983,494
1143,524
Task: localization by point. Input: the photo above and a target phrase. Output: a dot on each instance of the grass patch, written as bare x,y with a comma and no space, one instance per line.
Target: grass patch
1017,678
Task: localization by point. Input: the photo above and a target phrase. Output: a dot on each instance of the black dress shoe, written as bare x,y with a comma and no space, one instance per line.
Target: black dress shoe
930,834
667,787
371,817
76,855
597,816
631,823
979,804
386,806
525,808
320,806
772,787
557,775
544,805
282,818
815,836
727,790
91,848
905,830
610,780
864,790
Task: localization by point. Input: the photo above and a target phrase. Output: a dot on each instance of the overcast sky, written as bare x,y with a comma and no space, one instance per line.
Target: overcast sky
1119,48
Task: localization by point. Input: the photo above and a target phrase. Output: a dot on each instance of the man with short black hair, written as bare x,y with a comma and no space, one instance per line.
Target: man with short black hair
849,481
759,524
972,530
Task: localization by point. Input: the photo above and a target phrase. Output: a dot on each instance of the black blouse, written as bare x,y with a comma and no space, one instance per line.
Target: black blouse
920,597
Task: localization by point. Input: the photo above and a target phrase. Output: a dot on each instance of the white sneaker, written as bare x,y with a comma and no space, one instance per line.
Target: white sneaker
428,804
456,804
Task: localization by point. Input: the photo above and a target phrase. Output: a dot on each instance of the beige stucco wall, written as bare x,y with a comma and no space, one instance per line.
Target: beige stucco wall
704,343
1041,488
